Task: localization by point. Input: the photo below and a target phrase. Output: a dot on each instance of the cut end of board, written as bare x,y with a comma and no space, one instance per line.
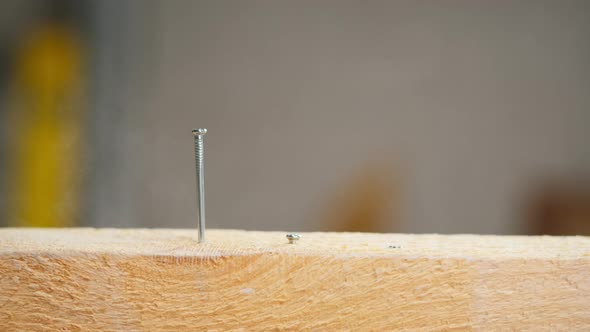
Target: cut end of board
85,279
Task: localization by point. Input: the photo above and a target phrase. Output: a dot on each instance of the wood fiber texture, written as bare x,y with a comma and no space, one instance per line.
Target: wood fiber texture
163,280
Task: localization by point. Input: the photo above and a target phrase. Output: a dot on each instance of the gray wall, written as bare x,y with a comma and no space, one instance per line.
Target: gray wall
474,99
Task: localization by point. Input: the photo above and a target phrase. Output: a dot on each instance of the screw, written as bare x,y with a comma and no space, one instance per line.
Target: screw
198,136
293,238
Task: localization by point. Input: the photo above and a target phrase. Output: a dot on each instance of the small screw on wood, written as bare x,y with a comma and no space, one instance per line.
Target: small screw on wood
293,238
198,136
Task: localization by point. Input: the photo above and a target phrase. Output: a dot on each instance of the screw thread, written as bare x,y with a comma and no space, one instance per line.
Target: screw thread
200,185
199,152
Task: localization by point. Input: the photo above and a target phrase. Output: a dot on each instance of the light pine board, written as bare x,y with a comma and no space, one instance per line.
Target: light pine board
162,280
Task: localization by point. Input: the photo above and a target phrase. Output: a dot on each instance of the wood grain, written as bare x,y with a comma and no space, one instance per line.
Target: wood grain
162,280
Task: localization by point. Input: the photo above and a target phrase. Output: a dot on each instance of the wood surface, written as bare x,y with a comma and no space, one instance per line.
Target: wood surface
162,280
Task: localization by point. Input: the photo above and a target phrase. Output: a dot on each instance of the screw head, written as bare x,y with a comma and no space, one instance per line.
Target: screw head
200,131
293,238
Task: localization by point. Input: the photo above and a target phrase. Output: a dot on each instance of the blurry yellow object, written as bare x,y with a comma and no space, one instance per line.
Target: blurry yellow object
46,160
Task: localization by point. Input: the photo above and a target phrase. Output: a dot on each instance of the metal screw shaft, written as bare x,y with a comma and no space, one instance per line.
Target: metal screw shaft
198,137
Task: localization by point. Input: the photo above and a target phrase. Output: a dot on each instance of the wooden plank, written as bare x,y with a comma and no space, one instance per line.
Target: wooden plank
162,280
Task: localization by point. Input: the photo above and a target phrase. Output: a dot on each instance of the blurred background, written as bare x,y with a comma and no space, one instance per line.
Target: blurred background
382,116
